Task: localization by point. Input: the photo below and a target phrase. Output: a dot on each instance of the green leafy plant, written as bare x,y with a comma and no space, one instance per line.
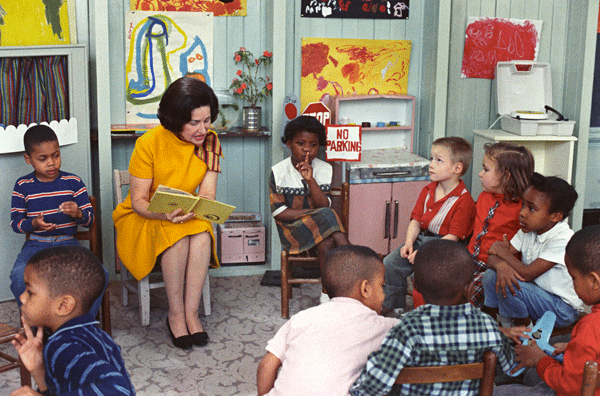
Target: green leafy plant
249,86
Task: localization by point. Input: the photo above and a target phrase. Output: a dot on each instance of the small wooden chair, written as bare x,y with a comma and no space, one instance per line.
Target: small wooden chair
590,380
151,281
484,370
92,236
7,334
306,258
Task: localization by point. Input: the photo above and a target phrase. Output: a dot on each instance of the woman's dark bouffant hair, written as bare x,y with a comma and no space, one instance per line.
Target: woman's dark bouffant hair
181,97
304,124
516,165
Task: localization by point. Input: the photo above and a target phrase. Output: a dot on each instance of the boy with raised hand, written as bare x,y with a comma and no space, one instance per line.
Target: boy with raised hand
447,330
79,358
444,209
321,350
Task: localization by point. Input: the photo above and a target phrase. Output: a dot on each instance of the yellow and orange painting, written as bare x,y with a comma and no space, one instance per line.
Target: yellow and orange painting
34,22
217,7
333,66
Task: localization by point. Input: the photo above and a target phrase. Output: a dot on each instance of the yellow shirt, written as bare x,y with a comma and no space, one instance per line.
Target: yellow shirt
161,156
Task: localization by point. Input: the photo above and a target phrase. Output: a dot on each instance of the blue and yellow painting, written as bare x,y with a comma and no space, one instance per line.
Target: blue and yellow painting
34,22
161,48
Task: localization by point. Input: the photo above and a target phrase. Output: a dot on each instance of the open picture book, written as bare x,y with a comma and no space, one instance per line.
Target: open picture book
167,199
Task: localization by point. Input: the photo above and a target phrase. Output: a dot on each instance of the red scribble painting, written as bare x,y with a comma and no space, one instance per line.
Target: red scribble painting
492,40
332,66
217,7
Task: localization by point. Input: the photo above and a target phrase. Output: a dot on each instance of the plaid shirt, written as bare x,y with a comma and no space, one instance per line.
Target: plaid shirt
434,335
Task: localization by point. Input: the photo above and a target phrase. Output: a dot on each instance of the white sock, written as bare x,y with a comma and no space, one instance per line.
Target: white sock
505,322
324,298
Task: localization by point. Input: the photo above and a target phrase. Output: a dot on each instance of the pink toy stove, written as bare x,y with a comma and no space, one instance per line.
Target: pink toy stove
242,239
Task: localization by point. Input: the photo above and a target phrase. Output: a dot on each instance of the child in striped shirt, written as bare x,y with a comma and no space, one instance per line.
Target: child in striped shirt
48,203
79,358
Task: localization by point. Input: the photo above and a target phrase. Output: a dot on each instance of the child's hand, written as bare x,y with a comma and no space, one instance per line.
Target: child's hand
516,333
305,169
30,348
528,355
559,348
24,391
406,250
70,208
411,257
38,223
500,247
507,277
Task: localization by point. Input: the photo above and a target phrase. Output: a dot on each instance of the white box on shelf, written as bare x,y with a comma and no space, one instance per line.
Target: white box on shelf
525,86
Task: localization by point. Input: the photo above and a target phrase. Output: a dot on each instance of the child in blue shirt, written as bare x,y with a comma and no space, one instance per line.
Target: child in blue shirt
79,358
48,203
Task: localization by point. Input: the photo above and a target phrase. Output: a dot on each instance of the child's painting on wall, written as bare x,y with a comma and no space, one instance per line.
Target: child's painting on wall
217,7
350,66
161,47
34,22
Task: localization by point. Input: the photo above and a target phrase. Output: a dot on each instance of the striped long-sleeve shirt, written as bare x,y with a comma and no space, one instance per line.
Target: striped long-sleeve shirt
31,197
81,359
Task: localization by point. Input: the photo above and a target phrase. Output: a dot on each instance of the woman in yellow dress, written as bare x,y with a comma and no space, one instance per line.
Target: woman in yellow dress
182,153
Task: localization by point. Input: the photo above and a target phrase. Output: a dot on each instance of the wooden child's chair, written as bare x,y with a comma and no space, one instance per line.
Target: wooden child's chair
7,334
306,258
484,370
151,281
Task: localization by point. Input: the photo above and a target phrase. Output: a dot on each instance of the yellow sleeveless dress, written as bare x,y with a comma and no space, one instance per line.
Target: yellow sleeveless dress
161,156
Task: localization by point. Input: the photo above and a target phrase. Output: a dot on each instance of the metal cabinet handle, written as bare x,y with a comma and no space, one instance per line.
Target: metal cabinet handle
386,231
396,207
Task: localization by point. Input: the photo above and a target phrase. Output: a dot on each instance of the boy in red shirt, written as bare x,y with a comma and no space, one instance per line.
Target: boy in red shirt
444,209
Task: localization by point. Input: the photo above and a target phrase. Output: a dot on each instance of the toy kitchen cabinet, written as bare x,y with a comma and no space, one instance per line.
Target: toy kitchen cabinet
386,183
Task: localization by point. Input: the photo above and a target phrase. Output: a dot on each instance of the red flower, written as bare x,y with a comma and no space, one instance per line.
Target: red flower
243,86
239,72
267,54
270,86
238,58
240,90
242,49
256,61
235,80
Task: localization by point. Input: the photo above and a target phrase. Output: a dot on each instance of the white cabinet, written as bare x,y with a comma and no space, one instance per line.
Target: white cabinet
553,155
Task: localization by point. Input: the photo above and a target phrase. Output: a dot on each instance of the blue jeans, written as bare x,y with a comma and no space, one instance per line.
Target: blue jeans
397,269
31,247
531,301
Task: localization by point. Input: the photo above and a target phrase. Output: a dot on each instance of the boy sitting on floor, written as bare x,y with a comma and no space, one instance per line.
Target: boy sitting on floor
79,358
446,330
322,350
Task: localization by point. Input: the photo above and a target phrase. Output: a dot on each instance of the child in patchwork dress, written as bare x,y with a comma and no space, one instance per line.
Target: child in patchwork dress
299,187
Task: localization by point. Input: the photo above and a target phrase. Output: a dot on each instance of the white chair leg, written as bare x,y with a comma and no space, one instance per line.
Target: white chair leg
144,297
124,280
205,305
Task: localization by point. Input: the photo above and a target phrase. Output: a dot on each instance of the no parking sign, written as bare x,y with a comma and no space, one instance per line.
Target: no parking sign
344,143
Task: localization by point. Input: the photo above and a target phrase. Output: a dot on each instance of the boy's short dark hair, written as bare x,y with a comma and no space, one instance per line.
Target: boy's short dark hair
38,134
442,269
461,150
583,249
562,195
181,97
70,270
304,124
346,266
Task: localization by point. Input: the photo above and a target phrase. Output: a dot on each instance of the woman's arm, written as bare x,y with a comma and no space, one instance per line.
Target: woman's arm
139,190
208,186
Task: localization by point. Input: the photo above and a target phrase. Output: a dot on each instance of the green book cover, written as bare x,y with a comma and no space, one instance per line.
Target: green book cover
167,199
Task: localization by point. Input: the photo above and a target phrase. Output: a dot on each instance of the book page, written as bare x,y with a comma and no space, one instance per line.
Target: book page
214,211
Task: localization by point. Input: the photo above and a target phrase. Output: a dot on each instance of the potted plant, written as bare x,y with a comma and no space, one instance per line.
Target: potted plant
251,87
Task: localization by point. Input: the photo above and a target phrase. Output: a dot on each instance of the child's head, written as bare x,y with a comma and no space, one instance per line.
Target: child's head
42,152
581,258
443,271
546,201
303,136
456,149
357,272
507,169
61,283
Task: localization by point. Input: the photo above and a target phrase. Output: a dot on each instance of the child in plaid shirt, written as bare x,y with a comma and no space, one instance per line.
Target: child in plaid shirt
446,330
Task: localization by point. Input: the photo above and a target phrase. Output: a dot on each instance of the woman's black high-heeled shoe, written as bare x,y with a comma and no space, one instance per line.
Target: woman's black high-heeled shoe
200,338
183,342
